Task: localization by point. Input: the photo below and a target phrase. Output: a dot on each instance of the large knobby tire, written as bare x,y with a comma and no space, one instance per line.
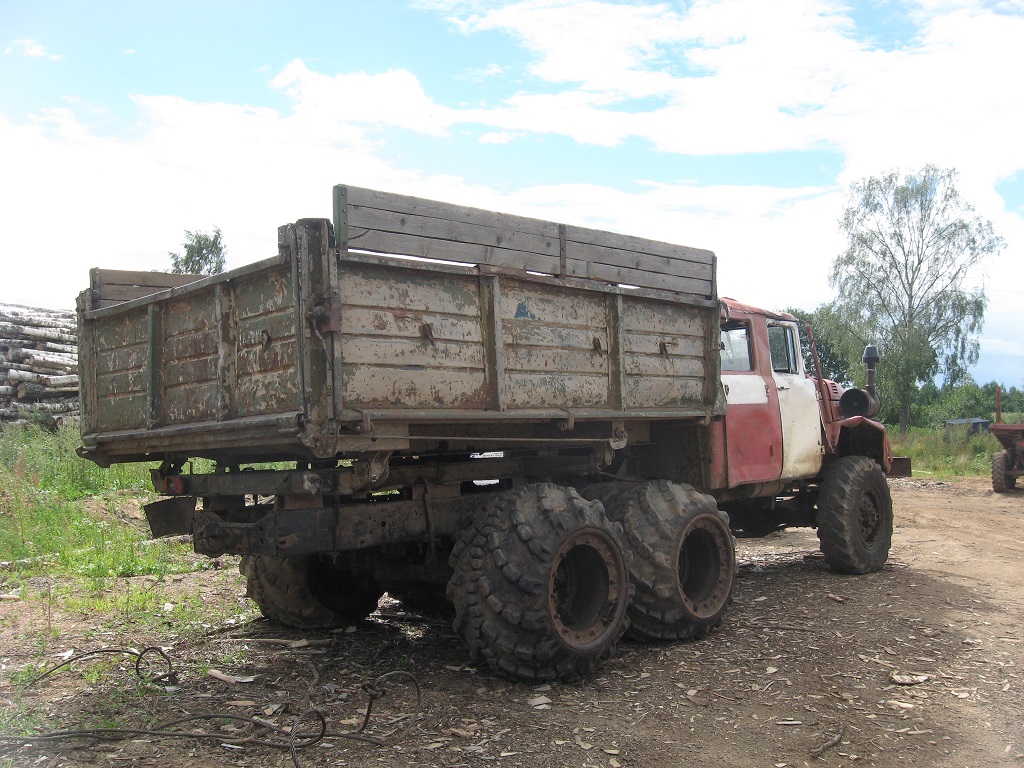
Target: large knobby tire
463,583
684,560
1001,481
541,591
855,516
308,592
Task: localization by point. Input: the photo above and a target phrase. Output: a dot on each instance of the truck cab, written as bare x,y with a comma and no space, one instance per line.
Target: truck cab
773,429
796,449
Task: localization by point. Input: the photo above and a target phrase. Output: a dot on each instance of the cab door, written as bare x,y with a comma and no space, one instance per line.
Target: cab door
798,403
753,434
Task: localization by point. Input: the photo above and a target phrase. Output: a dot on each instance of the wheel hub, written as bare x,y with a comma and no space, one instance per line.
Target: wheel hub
703,583
586,589
868,518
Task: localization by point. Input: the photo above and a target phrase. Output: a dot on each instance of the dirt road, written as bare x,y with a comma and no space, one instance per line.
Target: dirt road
917,665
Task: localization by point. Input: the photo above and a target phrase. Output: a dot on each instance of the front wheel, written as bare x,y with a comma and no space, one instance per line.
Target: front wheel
1002,481
541,591
855,516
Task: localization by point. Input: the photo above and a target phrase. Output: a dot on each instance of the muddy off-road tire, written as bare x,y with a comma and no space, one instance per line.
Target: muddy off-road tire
855,516
541,591
463,584
684,560
1001,481
308,592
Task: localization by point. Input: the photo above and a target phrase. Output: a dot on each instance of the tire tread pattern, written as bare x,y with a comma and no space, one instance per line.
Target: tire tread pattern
499,586
655,515
839,531
283,588
1001,481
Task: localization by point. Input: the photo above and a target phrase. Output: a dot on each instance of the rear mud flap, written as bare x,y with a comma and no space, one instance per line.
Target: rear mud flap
899,466
171,517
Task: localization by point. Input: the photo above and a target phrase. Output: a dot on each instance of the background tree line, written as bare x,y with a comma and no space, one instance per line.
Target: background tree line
910,281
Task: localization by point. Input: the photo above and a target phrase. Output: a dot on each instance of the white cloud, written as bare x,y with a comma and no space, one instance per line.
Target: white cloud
84,200
394,98
498,137
727,77
481,74
740,76
125,203
31,49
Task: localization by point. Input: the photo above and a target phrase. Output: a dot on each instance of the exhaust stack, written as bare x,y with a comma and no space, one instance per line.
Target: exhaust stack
863,402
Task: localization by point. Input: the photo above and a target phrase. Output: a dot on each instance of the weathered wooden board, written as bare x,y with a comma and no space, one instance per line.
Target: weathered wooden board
324,344
398,224
664,347
414,342
668,391
556,346
263,359
383,386
114,286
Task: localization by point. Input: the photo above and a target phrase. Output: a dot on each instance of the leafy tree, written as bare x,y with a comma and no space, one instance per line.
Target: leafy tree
832,355
907,278
204,254
966,401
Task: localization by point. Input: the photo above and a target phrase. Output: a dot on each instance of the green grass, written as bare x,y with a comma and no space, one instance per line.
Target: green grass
63,516
945,454
76,545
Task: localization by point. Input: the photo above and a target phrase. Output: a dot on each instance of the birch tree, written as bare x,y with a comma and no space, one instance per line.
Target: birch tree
911,277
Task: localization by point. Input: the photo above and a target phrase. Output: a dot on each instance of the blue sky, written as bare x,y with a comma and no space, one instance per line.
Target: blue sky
733,125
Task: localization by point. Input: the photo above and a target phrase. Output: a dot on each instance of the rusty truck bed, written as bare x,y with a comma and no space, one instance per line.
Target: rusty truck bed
501,329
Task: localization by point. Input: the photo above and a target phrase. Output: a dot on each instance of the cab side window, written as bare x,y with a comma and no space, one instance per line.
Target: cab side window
736,347
782,343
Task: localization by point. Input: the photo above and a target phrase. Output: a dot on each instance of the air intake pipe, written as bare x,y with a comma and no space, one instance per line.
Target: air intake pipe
863,402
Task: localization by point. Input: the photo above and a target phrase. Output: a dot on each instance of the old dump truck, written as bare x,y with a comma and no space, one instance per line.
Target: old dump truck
547,427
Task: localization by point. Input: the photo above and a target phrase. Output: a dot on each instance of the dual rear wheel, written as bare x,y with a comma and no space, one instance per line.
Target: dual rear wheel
545,583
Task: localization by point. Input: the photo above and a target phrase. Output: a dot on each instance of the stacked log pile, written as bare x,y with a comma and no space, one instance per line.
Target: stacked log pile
38,365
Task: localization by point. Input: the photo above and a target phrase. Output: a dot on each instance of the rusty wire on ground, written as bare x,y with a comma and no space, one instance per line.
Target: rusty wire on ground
374,692
170,676
291,739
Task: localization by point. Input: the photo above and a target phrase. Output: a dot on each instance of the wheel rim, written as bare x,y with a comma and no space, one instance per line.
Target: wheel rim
586,589
869,518
704,549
